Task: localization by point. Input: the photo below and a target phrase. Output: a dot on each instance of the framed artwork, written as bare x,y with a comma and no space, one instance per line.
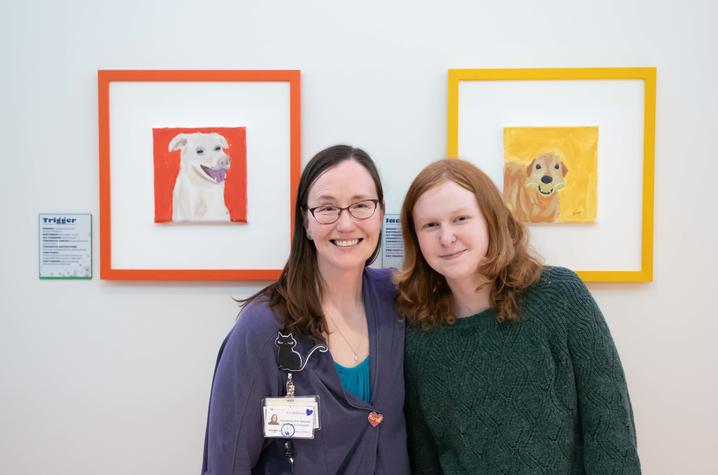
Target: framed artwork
572,151
198,173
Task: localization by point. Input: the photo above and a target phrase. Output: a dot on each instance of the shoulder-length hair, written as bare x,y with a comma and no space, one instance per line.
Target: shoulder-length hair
424,296
296,297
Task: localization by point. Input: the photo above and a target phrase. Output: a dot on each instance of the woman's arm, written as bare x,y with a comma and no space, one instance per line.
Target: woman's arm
423,455
609,434
245,374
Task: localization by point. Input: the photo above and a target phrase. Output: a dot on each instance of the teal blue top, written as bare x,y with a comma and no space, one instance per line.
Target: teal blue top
356,380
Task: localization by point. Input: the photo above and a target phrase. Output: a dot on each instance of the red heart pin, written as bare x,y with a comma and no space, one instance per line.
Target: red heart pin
375,418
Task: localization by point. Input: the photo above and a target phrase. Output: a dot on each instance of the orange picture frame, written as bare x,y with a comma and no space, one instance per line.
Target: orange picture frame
109,270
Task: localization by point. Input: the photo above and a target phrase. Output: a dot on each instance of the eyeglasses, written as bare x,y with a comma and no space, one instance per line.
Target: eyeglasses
329,214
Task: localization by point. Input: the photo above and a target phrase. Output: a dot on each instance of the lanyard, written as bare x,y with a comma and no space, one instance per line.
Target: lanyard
291,361
288,445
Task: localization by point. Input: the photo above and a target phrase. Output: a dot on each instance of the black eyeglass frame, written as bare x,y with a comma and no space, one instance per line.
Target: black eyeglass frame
347,208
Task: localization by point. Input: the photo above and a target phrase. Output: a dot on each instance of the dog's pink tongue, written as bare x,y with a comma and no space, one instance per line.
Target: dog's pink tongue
217,174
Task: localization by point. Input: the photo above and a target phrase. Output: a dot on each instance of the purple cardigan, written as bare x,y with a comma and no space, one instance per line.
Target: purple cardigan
246,372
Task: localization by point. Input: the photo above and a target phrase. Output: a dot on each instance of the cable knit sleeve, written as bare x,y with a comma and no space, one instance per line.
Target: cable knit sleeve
609,436
423,455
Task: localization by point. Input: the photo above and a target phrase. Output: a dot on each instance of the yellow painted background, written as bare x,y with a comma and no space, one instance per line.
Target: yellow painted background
578,146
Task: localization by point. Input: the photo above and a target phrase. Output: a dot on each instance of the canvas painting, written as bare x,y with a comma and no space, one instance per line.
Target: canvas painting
200,174
550,173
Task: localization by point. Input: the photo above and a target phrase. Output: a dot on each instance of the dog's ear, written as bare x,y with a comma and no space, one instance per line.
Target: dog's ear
178,142
530,167
564,169
222,140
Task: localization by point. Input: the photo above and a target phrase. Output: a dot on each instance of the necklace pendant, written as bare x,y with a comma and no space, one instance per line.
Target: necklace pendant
356,358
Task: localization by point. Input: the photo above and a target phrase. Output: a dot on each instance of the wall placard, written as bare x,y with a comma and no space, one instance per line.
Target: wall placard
65,241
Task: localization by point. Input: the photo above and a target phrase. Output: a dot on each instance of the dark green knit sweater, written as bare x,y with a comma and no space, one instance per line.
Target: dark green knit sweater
543,395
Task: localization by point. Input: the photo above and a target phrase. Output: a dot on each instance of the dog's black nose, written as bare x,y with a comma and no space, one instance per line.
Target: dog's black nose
546,179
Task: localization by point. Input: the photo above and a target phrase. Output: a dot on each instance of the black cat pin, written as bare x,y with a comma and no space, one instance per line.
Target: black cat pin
289,359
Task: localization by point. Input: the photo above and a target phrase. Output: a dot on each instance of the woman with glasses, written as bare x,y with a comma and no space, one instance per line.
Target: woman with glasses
327,329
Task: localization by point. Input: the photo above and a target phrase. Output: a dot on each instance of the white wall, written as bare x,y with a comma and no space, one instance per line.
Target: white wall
113,378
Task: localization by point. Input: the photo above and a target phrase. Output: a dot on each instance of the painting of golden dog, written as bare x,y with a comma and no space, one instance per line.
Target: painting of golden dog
531,191
538,187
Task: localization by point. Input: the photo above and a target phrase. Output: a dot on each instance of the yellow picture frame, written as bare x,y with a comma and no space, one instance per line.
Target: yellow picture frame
645,74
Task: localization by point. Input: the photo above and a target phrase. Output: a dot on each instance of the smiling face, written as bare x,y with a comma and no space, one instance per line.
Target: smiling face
451,231
347,243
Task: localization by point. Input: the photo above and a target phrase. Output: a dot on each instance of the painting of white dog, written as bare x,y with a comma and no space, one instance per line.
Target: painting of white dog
202,189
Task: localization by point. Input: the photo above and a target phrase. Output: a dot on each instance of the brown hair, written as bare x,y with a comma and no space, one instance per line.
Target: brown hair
296,296
424,296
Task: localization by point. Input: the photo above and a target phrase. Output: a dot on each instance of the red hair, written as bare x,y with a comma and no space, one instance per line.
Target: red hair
509,268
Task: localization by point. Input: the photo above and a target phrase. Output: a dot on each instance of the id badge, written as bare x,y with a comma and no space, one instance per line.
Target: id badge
290,417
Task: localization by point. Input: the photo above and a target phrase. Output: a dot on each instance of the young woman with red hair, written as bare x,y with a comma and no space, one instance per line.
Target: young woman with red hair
509,365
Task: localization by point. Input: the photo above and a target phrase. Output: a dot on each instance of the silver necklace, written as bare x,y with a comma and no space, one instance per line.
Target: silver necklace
354,352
